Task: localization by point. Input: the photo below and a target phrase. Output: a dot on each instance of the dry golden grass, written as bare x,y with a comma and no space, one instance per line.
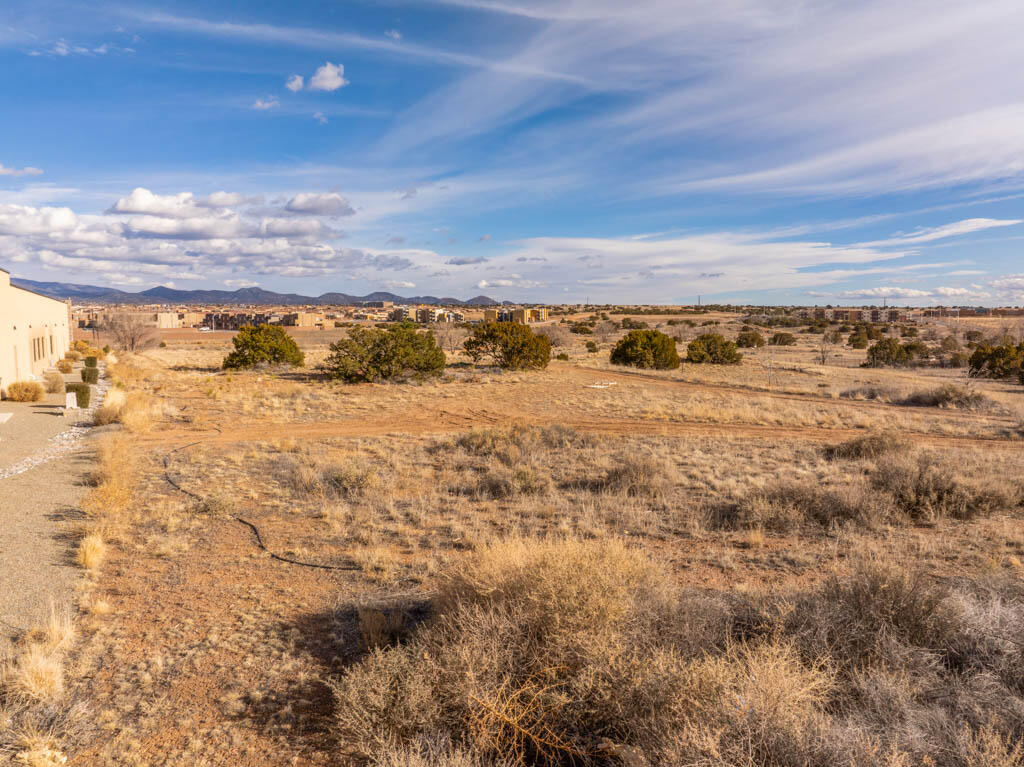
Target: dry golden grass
91,552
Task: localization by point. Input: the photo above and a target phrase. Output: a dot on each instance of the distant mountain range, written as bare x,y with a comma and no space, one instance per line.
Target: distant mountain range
258,296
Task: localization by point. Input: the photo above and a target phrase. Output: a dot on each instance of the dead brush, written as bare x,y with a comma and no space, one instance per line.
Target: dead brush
786,506
871,446
635,475
927,487
952,397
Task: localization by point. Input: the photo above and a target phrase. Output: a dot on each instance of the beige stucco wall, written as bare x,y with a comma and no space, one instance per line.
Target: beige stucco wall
25,317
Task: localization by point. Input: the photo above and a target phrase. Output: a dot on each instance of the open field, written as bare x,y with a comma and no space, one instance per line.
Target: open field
295,571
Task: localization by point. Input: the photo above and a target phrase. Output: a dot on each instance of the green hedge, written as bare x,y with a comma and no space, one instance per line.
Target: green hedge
90,375
90,362
83,393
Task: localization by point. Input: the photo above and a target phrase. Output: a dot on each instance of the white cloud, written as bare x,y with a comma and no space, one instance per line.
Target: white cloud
328,204
484,237
885,292
320,117
241,283
398,284
512,281
142,200
28,170
25,220
295,83
225,200
955,229
263,104
329,77
394,34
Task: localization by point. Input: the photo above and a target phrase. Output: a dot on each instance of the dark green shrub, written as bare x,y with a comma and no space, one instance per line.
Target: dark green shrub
858,340
385,354
782,339
646,349
887,353
106,349
90,375
263,344
1003,361
713,348
90,362
508,345
83,393
163,344
591,347
628,323
749,339
581,328
562,356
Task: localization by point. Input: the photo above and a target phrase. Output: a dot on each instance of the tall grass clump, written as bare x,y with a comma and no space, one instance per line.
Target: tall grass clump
563,652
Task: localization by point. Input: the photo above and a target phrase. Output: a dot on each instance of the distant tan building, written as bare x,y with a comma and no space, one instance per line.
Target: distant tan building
35,331
301,320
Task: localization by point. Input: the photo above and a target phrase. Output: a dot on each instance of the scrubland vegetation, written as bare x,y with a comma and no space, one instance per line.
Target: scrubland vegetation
609,559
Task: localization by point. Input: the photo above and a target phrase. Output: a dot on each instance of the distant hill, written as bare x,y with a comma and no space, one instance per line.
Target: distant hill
162,295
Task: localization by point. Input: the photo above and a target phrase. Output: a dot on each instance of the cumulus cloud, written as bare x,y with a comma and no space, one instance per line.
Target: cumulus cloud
263,104
295,83
320,117
320,204
28,170
465,260
329,77
398,284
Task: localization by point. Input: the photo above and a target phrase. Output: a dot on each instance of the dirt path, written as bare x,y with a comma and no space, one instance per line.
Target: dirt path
36,565
447,421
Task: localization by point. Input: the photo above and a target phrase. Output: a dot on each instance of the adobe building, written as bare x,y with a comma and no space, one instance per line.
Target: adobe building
35,332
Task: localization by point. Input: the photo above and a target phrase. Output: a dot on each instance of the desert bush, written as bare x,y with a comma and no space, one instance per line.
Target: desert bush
649,349
887,353
509,482
90,375
926,487
872,392
25,391
713,348
510,445
584,653
562,356
787,506
639,475
64,366
54,383
341,477
83,393
1000,361
90,362
385,354
950,396
72,355
263,344
749,339
508,345
870,446
554,636
591,347
782,339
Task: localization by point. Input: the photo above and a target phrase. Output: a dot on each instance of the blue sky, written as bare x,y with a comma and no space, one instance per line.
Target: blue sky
777,151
